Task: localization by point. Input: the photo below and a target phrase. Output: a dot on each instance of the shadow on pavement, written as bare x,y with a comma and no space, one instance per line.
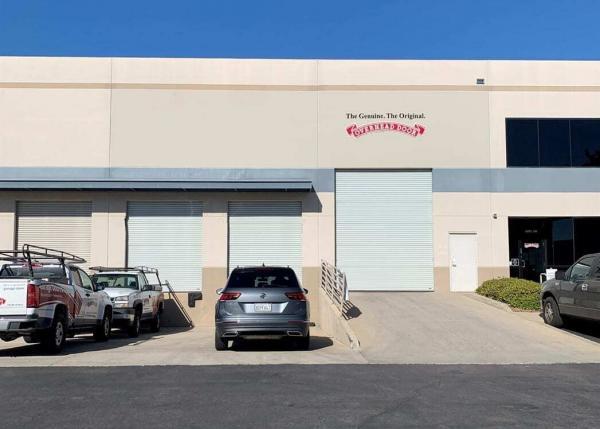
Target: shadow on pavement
351,311
86,343
316,343
588,329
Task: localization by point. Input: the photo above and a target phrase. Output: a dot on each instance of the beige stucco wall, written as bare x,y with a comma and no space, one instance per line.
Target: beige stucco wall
227,113
274,113
456,212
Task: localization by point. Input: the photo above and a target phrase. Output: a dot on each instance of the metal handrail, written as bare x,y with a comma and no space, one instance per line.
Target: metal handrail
39,254
334,284
142,269
174,297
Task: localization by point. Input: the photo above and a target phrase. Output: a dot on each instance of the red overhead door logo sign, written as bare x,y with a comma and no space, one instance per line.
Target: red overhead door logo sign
2,301
359,131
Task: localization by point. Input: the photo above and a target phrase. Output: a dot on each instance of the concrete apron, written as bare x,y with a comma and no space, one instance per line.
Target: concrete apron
453,328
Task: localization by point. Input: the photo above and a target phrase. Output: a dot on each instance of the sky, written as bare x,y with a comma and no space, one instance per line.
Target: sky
349,29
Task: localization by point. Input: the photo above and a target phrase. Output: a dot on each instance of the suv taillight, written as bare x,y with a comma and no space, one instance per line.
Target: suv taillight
33,296
296,296
229,296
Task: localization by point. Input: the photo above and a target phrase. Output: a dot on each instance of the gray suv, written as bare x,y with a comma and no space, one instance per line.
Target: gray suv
262,302
575,292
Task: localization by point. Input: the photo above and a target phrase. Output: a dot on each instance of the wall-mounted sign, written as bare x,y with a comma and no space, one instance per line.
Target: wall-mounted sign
355,130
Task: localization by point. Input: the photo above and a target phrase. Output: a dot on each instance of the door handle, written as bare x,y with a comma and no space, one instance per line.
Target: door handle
584,287
87,294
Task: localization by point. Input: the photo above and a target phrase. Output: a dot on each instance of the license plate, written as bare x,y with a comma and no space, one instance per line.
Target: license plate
262,308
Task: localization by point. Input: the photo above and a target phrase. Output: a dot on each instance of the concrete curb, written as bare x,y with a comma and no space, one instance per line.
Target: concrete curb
352,338
491,302
334,324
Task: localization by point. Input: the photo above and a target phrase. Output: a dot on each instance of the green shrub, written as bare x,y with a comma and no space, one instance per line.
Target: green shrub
518,293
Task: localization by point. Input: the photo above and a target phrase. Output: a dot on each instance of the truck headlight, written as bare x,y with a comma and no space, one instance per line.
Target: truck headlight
121,301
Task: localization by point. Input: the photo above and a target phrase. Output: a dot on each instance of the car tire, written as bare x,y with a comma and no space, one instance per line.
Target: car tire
220,343
136,326
551,314
155,324
102,332
53,341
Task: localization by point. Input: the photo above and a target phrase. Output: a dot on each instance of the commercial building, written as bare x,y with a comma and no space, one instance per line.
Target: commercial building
408,175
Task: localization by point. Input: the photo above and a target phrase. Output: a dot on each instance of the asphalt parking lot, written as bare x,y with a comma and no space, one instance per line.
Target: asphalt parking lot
293,396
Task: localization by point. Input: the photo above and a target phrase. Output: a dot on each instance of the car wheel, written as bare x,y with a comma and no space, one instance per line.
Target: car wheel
220,343
551,314
102,332
155,324
55,338
136,326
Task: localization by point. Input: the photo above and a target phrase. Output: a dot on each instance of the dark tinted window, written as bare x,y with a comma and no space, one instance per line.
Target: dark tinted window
585,141
125,281
262,278
587,232
581,269
552,142
555,148
522,143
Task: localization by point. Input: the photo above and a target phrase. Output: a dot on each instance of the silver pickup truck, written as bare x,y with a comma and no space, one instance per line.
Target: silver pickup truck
45,297
136,294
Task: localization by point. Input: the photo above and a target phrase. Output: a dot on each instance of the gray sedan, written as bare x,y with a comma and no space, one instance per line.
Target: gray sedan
262,302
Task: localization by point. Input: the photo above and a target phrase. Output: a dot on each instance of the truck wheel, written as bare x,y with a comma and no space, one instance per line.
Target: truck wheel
155,324
53,341
136,326
551,313
220,344
102,332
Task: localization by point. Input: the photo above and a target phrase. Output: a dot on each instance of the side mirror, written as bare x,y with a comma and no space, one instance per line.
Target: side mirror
219,291
559,275
157,288
305,291
99,287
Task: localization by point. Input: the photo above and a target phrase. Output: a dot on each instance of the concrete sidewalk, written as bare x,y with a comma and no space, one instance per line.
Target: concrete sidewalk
452,328
175,347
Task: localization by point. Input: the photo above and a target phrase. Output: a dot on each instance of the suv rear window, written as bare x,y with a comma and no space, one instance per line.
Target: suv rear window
262,278
39,271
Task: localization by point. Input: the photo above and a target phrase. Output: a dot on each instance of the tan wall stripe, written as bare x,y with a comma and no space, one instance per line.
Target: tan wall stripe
240,87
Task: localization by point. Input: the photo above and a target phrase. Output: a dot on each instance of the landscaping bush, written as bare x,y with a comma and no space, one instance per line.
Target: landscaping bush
518,293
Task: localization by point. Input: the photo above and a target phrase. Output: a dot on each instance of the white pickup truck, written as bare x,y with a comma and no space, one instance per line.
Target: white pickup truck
136,294
45,297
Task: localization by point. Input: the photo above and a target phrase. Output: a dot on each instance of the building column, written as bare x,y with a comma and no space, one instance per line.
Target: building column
8,217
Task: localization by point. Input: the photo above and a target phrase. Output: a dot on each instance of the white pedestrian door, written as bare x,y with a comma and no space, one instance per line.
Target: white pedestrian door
463,262
268,232
167,235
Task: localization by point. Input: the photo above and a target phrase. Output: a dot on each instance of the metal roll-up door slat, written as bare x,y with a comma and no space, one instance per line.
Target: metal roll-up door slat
268,232
61,225
167,235
384,229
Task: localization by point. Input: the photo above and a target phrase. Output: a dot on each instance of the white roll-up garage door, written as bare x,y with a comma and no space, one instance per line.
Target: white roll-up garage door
268,232
60,225
167,235
384,233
